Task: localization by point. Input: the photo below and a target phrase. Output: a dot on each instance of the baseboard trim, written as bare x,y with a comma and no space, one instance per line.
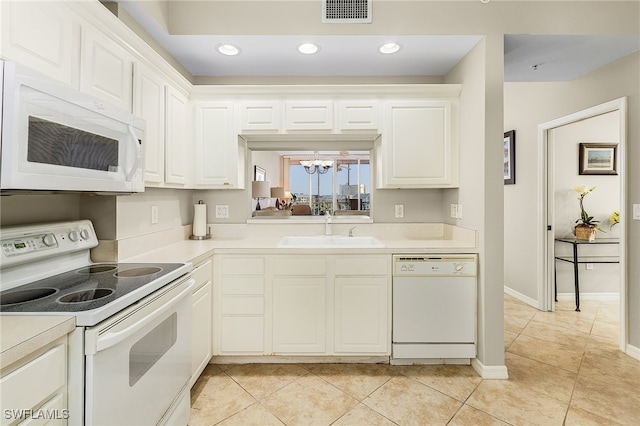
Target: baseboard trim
603,297
499,372
633,352
521,297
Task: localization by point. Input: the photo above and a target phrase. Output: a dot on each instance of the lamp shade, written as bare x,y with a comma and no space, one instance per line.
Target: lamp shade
260,189
287,195
277,192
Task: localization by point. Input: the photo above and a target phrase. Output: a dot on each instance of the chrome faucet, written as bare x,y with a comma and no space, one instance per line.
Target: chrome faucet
328,230
351,231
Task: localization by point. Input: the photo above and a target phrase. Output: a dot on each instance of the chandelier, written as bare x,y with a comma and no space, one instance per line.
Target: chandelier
317,165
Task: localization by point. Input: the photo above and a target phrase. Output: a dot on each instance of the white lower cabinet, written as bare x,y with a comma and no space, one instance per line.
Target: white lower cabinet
305,305
38,384
201,319
239,305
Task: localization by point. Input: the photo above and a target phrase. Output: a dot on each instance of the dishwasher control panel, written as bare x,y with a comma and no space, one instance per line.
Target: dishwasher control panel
434,265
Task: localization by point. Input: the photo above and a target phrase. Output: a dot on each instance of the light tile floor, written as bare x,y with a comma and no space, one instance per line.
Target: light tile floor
564,368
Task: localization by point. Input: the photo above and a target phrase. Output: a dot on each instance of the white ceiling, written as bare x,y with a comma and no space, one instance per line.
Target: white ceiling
527,57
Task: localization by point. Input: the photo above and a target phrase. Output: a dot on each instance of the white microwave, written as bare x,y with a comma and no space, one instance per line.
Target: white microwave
56,138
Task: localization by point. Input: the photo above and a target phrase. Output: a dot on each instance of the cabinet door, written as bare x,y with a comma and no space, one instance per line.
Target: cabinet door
239,324
177,137
309,115
200,331
218,160
262,116
358,115
299,314
361,315
148,103
42,36
418,146
106,69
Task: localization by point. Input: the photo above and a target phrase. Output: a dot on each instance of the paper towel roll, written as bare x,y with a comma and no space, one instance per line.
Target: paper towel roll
199,220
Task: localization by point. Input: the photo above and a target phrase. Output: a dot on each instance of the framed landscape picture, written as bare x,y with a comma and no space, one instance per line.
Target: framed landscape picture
510,157
598,159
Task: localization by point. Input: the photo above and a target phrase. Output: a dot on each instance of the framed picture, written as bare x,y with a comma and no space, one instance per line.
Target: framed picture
598,159
259,173
510,157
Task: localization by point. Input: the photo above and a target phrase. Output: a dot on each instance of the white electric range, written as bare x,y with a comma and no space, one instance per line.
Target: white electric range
130,354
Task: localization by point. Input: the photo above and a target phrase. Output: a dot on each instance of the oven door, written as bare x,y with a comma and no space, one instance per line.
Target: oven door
138,363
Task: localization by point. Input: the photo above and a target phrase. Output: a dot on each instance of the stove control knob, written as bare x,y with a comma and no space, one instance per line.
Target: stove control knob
49,240
84,234
74,236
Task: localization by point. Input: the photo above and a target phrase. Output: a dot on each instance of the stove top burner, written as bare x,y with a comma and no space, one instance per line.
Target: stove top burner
137,272
86,288
13,297
85,295
97,269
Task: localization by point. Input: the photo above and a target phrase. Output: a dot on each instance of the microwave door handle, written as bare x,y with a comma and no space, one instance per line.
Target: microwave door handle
138,153
110,339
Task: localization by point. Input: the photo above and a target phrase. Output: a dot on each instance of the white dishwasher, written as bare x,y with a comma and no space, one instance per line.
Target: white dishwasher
434,309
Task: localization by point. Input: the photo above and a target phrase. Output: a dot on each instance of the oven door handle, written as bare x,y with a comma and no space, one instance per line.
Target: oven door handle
110,339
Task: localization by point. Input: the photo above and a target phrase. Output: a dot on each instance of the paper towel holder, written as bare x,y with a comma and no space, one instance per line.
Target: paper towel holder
200,237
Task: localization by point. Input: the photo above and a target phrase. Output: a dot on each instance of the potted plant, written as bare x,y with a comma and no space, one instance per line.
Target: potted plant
586,225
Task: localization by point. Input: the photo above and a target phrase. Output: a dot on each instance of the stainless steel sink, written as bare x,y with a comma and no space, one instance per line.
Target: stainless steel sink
329,241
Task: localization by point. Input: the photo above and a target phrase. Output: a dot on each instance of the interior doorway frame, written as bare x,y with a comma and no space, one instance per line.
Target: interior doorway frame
545,210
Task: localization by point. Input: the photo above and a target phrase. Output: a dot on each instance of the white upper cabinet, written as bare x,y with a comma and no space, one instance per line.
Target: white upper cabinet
178,131
419,148
44,36
358,115
219,161
260,116
309,115
106,69
148,103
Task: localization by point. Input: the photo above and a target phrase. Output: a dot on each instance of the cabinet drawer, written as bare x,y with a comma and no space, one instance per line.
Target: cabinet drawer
202,273
242,305
362,265
299,265
243,285
49,371
243,266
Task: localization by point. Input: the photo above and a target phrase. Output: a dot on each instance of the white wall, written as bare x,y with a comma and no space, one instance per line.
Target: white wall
530,104
564,141
481,73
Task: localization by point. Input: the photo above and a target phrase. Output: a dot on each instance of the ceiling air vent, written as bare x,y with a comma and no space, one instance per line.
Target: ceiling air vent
346,11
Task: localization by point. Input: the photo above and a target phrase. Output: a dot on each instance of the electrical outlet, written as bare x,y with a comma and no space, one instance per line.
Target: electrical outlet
589,266
154,215
222,211
399,211
636,212
454,211
459,215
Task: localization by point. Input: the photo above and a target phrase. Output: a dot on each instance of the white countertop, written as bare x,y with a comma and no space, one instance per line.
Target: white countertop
21,335
193,250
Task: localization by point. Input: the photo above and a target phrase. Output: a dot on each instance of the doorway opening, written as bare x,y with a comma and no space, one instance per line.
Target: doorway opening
546,213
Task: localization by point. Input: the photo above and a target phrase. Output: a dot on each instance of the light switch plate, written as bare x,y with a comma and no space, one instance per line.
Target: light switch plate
636,212
459,215
399,211
154,215
454,211
222,211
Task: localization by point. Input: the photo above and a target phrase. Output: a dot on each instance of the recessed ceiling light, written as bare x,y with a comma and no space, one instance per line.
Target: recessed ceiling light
389,48
308,48
228,49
